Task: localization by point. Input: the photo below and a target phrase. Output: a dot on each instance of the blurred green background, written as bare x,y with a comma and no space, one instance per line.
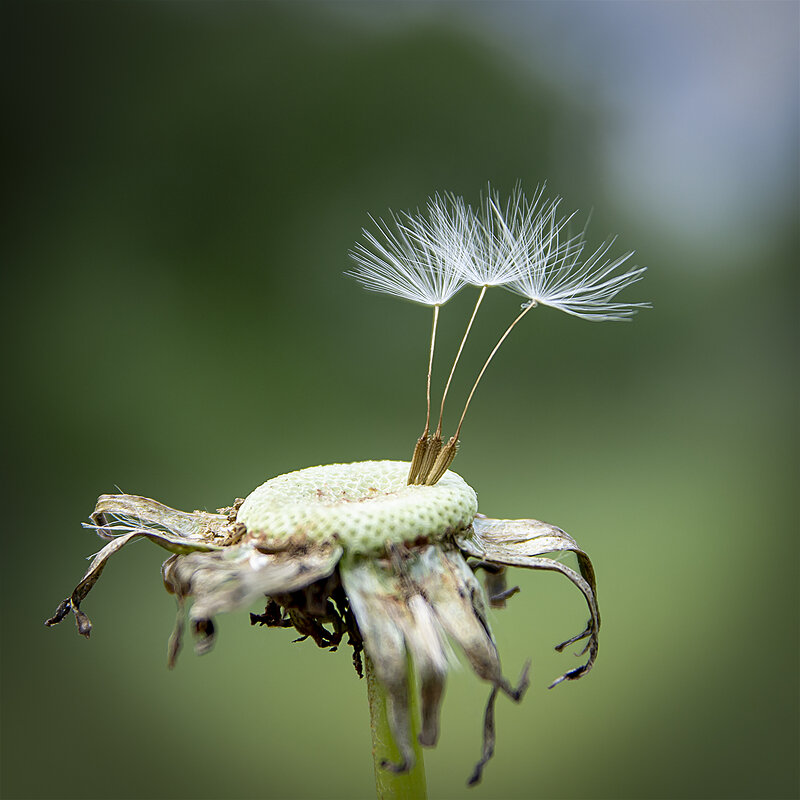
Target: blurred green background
183,183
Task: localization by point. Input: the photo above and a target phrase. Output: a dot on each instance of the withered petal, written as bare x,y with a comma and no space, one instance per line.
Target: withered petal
236,576
458,600
429,654
377,602
411,605
522,543
176,637
196,525
488,727
488,739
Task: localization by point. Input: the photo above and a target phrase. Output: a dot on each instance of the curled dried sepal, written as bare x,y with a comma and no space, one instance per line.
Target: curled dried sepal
523,543
410,604
171,542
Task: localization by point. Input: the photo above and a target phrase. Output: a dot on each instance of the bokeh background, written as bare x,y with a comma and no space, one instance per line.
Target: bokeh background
183,182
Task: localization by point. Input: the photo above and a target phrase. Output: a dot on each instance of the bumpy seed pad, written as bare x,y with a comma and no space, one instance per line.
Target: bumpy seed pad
361,505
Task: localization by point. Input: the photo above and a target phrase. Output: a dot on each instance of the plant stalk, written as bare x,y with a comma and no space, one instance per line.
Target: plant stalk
390,785
430,368
458,355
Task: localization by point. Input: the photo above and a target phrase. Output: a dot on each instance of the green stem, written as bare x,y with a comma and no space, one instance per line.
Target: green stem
389,785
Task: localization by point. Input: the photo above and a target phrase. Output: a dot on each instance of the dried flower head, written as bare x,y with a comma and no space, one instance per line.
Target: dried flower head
385,554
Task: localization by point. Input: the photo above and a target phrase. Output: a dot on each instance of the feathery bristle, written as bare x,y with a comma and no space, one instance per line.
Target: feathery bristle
414,256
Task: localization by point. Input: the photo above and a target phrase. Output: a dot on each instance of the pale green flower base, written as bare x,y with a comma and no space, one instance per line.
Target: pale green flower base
361,506
389,785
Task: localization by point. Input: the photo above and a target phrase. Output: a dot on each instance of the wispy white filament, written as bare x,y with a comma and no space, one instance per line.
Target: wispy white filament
584,288
554,272
416,257
506,232
520,244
